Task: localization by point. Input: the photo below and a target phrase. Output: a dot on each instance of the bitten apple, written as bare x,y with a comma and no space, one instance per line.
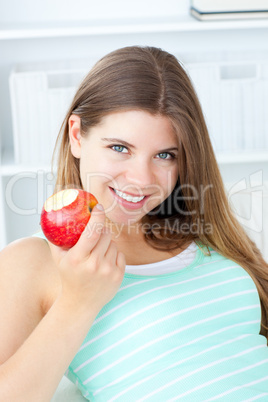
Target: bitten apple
65,215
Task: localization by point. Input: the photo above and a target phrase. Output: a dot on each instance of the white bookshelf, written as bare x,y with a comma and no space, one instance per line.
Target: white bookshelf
115,27
238,158
27,41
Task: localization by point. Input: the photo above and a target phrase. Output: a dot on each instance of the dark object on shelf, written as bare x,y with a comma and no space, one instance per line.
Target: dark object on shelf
206,10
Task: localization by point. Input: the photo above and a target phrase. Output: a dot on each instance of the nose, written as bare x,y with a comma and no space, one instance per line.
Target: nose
140,174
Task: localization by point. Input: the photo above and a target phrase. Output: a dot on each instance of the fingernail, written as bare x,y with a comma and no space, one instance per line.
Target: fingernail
100,207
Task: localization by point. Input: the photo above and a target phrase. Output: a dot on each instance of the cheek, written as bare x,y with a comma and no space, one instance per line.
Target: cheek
97,177
168,180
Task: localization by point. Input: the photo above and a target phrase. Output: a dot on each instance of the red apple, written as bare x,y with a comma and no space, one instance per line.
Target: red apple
65,215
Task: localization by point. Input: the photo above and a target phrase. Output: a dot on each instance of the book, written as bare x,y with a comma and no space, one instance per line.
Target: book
214,6
233,15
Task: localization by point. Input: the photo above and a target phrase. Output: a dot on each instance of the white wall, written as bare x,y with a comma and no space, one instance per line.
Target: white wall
69,10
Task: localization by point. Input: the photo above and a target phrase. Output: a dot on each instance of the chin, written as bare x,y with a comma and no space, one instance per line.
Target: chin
124,219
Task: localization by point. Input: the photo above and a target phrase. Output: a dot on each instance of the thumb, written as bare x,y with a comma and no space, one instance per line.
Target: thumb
92,232
96,222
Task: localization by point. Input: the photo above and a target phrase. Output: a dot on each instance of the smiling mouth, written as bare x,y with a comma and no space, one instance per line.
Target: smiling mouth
128,197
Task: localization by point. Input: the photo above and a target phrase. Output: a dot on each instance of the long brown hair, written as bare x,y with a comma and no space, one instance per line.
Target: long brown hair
150,79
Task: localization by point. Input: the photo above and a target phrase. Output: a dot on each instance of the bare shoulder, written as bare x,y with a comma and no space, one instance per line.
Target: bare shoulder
25,248
29,284
28,260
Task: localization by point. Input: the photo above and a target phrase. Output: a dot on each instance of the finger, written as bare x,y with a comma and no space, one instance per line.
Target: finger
121,261
91,234
102,245
57,252
111,253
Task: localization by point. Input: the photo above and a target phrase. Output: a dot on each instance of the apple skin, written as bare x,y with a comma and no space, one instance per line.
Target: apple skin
64,226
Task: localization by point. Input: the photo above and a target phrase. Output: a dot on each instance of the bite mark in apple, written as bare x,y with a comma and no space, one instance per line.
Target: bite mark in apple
65,215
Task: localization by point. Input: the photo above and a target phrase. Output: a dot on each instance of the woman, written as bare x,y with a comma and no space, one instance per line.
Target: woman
164,296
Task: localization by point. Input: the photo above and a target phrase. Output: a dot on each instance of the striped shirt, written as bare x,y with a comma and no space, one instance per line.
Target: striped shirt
173,264
189,334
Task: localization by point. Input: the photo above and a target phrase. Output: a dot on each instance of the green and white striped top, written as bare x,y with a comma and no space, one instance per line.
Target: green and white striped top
189,335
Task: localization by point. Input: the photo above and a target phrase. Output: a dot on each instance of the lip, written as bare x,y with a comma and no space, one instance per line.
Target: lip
128,204
131,194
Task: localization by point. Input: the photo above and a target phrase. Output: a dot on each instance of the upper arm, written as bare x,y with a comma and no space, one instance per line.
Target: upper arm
24,279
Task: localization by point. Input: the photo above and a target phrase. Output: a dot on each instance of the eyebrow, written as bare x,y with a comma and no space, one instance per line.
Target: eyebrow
127,144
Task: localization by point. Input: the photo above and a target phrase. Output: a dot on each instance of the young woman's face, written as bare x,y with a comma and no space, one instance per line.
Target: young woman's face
129,163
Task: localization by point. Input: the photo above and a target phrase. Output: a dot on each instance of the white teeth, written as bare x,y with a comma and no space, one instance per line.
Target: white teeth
128,197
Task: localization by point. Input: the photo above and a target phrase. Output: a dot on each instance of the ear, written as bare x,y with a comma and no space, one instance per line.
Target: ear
75,135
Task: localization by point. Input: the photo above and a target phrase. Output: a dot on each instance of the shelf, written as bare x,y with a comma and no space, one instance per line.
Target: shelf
113,27
10,168
242,157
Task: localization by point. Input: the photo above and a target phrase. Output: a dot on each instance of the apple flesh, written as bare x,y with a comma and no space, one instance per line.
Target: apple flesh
65,215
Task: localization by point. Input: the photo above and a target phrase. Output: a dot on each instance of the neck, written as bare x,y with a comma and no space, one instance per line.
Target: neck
130,241
123,232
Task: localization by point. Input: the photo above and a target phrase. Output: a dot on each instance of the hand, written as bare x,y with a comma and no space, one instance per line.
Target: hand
92,270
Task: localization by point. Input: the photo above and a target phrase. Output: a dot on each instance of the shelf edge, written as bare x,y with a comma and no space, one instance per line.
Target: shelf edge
182,25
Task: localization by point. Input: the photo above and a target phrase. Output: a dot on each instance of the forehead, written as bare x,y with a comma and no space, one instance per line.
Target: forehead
137,124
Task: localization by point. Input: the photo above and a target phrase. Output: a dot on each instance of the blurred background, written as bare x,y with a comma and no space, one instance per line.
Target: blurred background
46,48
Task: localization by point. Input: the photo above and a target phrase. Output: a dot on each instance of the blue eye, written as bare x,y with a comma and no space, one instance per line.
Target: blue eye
119,148
165,155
